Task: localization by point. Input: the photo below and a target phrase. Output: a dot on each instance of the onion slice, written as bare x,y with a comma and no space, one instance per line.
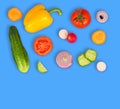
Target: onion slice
64,59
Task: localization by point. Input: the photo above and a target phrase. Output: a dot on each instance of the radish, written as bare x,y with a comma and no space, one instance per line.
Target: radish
63,33
101,66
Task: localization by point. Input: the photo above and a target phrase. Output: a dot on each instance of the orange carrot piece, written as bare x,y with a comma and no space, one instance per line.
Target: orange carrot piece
99,37
14,14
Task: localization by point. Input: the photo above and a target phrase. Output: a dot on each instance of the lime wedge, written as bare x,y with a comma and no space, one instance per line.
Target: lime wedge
41,68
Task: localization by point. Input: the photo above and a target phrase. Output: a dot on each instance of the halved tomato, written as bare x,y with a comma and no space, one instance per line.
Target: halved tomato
43,45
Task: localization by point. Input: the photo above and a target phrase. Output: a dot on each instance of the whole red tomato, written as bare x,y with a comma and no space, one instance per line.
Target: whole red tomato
80,18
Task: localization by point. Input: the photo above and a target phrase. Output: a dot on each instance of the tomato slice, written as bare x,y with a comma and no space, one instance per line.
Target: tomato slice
43,45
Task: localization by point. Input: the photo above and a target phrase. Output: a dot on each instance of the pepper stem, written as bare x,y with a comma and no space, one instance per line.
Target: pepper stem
55,10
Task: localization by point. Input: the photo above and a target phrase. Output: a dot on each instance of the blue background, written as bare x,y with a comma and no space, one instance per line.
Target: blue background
73,88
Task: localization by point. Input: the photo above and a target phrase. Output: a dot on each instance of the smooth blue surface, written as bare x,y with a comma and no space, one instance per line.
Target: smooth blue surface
73,88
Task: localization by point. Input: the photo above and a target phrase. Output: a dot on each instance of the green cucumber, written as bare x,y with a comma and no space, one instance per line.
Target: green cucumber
41,68
83,61
91,55
18,51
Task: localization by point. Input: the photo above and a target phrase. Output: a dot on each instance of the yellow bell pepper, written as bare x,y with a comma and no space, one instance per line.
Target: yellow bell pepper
39,18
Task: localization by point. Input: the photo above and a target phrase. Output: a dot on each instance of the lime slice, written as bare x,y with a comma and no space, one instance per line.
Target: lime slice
41,68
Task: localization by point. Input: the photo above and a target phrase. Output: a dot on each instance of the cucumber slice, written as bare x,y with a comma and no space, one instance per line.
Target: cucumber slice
83,61
91,55
41,68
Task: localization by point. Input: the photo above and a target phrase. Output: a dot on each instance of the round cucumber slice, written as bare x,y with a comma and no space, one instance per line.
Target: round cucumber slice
83,61
91,55
41,68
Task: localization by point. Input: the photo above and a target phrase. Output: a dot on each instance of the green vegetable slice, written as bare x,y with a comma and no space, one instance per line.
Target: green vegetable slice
41,68
91,55
83,61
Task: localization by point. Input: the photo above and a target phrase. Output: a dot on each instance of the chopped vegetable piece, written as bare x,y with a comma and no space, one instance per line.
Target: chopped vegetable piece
91,55
41,68
63,34
101,66
64,59
83,61
99,37
14,14
102,16
43,45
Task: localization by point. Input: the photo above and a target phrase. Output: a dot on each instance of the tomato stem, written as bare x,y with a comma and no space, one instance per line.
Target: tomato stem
79,17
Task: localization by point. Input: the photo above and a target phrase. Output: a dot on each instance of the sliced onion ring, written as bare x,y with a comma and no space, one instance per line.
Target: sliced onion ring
101,16
64,59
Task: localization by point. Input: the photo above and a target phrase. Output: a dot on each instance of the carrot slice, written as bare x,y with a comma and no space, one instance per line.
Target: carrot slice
99,37
14,14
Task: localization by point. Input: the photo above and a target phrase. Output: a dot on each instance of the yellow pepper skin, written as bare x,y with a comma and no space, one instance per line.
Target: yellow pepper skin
39,18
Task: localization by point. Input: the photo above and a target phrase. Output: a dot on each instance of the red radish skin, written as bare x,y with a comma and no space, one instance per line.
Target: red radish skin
64,59
71,37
